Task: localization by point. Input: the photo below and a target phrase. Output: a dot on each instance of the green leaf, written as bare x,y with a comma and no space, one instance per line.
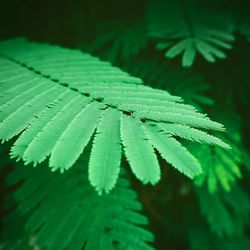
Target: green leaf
56,112
192,134
139,151
94,221
188,27
173,152
75,137
104,164
46,139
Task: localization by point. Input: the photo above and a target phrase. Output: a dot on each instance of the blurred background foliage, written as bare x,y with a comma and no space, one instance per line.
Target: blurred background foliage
213,212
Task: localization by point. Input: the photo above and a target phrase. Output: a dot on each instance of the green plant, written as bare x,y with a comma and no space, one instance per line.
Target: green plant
60,120
97,133
194,25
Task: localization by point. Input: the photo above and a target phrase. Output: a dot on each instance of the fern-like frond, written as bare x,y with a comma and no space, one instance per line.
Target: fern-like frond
221,167
192,134
171,150
194,119
63,63
190,26
178,80
105,158
121,93
224,211
126,103
60,96
47,138
26,104
191,87
43,120
75,137
216,213
139,151
65,213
